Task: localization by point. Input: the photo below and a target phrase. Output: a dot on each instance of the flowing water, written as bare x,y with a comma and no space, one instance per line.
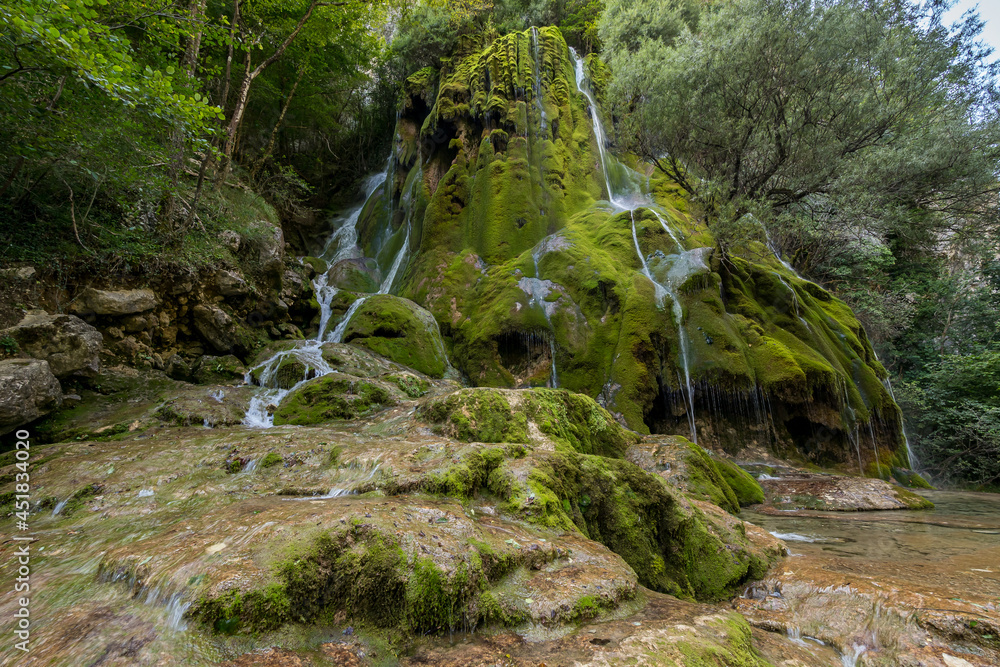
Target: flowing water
341,245
625,194
878,585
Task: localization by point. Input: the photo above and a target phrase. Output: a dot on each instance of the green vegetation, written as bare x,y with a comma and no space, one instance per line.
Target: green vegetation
879,184
332,397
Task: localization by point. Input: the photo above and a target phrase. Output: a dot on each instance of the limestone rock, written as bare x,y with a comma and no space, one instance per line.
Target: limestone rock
177,368
218,370
116,303
230,284
28,390
805,490
21,274
67,343
216,326
272,248
231,240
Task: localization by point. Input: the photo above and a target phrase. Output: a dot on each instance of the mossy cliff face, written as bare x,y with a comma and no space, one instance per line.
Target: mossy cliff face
496,184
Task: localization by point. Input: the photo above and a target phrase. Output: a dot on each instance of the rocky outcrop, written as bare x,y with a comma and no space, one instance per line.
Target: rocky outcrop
67,343
28,390
230,284
216,326
115,303
812,491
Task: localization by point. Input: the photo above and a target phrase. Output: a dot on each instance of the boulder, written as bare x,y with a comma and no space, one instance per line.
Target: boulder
219,370
23,274
400,330
216,326
67,343
116,303
272,248
355,275
178,368
28,390
230,284
231,240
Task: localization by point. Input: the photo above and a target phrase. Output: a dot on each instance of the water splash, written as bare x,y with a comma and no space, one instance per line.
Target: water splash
850,659
338,333
60,506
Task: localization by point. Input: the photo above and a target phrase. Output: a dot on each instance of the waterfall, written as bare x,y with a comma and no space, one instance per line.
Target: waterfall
342,244
629,199
536,255
598,128
536,50
401,256
911,460
338,334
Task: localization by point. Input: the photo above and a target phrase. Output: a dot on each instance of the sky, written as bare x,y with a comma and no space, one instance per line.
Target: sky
989,10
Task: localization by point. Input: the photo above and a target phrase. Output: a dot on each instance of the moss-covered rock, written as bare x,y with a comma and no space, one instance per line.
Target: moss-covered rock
333,397
536,282
218,370
745,487
573,421
673,545
698,473
399,330
356,275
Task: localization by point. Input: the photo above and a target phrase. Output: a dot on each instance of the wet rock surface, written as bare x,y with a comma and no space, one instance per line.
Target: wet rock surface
888,588
224,544
803,490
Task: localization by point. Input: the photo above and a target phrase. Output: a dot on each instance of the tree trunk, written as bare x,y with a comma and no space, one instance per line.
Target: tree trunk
244,92
188,63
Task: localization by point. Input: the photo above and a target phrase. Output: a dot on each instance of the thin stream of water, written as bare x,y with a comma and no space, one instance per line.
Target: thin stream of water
625,195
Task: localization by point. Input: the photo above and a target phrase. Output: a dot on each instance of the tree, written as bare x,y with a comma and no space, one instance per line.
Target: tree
828,102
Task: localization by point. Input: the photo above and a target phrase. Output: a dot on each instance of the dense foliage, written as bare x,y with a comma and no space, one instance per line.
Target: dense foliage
115,115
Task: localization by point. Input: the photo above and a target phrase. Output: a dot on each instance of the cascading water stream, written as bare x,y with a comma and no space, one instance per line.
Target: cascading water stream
631,200
554,374
662,291
404,250
536,49
342,244
911,460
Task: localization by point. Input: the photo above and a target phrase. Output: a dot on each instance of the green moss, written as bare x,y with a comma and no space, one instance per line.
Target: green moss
411,385
909,478
574,421
672,547
270,460
332,397
912,500
399,330
732,646
746,489
705,480
476,415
